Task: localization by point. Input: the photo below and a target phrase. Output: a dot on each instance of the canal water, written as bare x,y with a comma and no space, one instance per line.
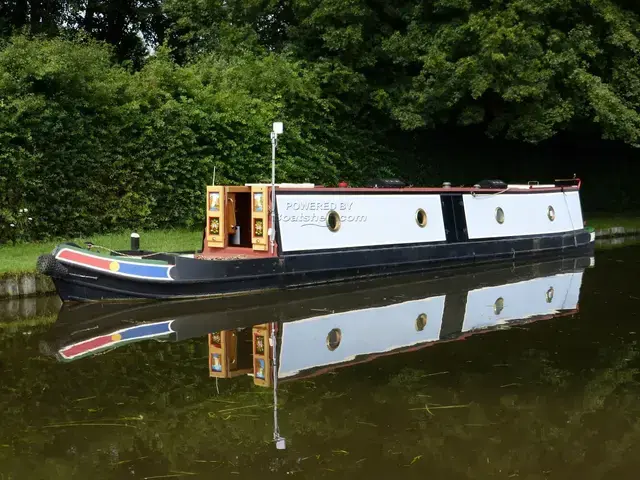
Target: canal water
519,371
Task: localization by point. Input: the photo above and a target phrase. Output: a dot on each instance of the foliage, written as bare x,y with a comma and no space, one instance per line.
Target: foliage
528,69
524,69
130,26
90,147
114,112
17,225
59,131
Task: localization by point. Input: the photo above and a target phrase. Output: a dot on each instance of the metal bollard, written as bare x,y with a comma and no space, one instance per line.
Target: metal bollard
135,242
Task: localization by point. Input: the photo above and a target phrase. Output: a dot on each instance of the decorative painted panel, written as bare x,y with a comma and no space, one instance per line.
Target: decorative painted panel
259,218
216,230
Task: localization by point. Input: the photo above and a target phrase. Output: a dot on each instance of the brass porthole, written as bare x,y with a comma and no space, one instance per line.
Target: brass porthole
499,215
421,322
498,306
551,213
421,218
333,221
333,339
549,295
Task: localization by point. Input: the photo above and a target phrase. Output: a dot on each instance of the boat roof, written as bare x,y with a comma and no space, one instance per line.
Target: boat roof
461,189
512,187
282,185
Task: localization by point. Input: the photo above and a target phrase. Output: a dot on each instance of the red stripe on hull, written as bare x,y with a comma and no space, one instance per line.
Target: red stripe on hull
86,346
85,259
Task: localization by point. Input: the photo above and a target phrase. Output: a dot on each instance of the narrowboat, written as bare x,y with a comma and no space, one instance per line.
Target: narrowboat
280,236
328,328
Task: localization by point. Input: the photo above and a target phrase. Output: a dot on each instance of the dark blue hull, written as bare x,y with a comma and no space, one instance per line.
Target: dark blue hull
191,277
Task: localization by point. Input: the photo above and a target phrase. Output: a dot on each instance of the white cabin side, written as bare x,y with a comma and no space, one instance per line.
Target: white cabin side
523,214
365,220
393,219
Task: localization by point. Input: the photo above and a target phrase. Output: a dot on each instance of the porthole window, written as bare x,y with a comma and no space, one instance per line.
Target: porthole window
498,306
421,218
551,213
333,221
499,215
333,339
421,322
549,295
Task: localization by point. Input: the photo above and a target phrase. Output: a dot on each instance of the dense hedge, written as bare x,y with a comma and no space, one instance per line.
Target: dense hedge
102,136
87,146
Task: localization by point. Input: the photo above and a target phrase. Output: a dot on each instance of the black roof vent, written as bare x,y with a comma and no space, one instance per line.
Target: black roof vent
387,183
491,184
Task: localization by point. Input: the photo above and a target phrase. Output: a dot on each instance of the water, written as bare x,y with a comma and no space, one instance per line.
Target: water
526,371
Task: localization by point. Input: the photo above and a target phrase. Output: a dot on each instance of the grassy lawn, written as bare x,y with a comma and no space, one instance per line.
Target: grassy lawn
22,258
599,221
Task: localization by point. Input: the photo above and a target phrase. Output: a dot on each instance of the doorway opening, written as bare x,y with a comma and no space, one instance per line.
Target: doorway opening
239,219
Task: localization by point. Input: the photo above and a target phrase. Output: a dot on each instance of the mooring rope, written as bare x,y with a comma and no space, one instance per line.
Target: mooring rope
573,228
92,245
474,194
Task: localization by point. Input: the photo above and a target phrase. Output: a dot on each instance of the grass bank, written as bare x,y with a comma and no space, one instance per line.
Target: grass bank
22,257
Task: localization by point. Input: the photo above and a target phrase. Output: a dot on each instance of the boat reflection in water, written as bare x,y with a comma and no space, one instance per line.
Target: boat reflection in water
311,332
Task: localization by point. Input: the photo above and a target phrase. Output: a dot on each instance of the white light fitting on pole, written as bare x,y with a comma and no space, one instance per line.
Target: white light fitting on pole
278,128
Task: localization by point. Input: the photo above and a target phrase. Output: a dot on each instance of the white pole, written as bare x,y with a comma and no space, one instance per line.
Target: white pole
279,441
277,129
274,141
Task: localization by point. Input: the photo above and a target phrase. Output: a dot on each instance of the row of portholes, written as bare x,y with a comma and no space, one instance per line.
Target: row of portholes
334,222
551,214
334,337
498,305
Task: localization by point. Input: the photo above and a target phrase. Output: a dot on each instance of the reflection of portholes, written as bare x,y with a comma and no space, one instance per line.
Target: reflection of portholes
333,339
333,221
549,295
421,322
498,306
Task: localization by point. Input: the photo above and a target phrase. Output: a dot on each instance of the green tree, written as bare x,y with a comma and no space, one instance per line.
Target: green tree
132,27
38,16
526,69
